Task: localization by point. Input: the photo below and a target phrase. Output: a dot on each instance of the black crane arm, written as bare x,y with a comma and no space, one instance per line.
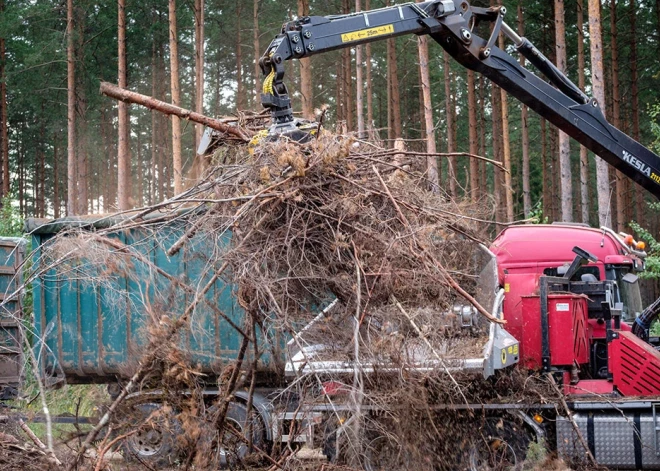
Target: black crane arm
453,24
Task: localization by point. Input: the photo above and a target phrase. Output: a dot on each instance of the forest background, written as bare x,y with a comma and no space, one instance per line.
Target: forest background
67,150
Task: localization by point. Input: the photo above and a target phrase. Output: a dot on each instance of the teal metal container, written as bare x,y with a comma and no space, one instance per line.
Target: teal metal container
97,311
12,251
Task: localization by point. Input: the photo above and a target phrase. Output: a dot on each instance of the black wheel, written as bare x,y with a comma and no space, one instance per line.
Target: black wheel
232,449
154,442
329,440
501,445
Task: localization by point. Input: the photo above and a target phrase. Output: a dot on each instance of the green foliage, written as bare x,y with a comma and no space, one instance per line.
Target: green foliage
72,400
536,215
652,245
652,249
11,224
537,455
655,329
654,114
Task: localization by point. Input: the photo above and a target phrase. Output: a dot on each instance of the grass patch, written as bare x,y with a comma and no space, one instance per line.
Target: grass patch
69,400
537,455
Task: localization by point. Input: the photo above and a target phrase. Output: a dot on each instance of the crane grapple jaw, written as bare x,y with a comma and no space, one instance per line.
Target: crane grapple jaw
298,130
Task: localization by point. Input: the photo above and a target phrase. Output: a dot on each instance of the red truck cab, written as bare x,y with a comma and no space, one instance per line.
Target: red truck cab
526,253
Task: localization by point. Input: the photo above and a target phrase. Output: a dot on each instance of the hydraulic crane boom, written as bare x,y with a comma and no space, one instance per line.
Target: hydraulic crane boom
453,24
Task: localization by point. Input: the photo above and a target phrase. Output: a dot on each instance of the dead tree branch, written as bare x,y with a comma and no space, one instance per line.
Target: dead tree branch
128,96
386,153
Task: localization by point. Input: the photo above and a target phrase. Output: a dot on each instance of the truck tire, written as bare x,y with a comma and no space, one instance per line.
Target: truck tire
501,444
232,450
154,443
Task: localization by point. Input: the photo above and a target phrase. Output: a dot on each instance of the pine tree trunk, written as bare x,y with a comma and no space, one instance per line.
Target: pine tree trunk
395,93
451,114
306,89
347,75
176,100
584,154
163,127
348,78
82,126
427,105
634,88
524,126
496,104
498,151
36,183
199,67
241,96
154,128
556,173
123,165
21,178
371,124
139,174
359,91
167,128
370,97
42,185
547,184
472,134
420,110
98,183
506,153
341,112
35,189
553,141
105,153
56,176
257,51
359,79
545,160
564,140
82,152
71,114
4,135
41,200
598,85
616,113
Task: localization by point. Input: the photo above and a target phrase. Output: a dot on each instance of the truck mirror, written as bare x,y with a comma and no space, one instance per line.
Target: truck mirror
630,278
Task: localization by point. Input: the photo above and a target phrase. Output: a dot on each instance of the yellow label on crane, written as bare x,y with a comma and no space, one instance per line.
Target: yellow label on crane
367,33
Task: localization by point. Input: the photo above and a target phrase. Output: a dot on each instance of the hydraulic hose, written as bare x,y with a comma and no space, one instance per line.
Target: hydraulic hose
643,323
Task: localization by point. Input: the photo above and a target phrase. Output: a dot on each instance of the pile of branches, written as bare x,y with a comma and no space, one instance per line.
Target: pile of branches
334,221
341,218
346,220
